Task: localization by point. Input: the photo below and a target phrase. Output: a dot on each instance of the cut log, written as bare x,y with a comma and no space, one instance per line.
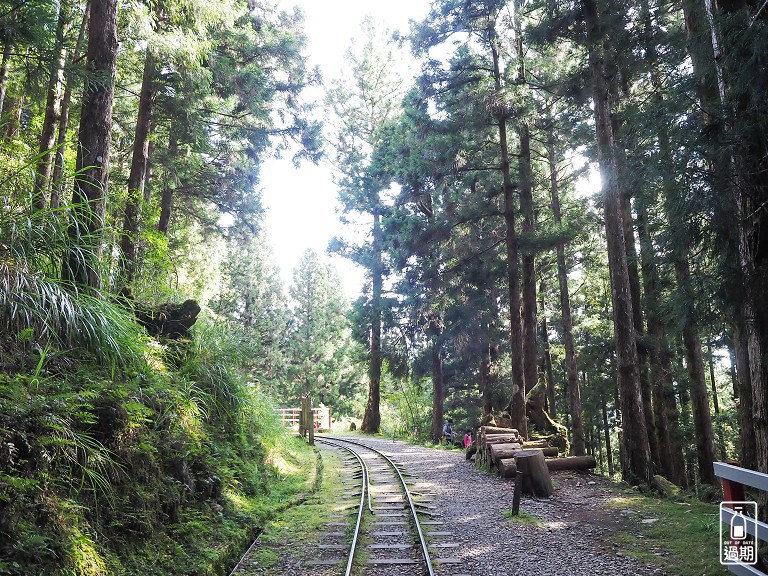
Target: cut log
572,463
535,474
499,451
665,487
496,430
535,444
471,451
501,440
507,468
549,451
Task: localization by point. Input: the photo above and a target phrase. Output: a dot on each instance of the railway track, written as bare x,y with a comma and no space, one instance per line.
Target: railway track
388,530
376,522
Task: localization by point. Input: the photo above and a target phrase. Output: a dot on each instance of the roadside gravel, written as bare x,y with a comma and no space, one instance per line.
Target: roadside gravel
569,540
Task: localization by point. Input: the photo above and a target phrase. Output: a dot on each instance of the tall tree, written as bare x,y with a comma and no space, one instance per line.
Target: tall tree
81,263
44,166
319,345
638,465
571,367
361,107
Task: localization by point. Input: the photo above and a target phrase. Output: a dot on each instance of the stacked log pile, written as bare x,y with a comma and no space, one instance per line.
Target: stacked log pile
500,449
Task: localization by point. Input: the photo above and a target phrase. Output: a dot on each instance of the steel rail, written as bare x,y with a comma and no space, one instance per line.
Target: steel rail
363,490
409,498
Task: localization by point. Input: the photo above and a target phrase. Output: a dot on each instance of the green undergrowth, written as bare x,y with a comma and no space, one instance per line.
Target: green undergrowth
304,523
522,518
169,464
680,535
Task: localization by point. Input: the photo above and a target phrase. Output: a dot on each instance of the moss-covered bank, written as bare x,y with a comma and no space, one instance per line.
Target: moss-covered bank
168,466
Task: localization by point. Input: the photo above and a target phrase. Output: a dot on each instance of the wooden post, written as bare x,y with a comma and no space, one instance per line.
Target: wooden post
516,493
311,419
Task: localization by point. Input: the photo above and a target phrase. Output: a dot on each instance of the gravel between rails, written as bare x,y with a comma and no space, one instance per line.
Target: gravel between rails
471,503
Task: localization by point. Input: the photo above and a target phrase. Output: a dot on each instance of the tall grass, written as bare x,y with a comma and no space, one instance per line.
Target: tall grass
36,305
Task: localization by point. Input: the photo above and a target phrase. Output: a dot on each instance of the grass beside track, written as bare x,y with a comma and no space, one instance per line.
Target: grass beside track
299,524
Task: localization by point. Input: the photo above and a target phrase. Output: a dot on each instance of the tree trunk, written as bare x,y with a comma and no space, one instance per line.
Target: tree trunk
372,417
438,394
637,311
5,67
607,433
93,147
743,189
667,426
547,358
571,368
138,174
748,449
750,168
638,465
530,349
694,360
57,180
485,373
668,456
52,111
166,200
517,402
626,185
13,125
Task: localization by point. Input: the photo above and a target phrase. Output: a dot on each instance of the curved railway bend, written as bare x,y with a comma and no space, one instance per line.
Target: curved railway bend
394,492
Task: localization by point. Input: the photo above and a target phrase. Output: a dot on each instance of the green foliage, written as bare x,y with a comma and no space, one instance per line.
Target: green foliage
683,532
322,358
36,307
146,462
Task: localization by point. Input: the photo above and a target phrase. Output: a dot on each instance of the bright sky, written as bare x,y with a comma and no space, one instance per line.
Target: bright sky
301,203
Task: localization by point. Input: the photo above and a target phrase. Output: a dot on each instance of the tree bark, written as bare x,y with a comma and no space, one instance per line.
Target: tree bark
667,426
607,433
438,393
748,450
517,402
547,358
93,147
372,417
138,174
669,456
530,349
571,367
166,200
638,465
535,474
57,180
5,67
52,111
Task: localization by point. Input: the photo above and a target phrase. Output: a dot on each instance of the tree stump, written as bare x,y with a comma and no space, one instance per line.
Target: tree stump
535,479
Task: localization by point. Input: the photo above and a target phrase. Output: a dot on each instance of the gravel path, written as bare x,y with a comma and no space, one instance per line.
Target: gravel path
569,540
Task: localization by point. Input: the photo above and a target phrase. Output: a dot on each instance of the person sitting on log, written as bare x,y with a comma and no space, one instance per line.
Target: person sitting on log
467,438
448,434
